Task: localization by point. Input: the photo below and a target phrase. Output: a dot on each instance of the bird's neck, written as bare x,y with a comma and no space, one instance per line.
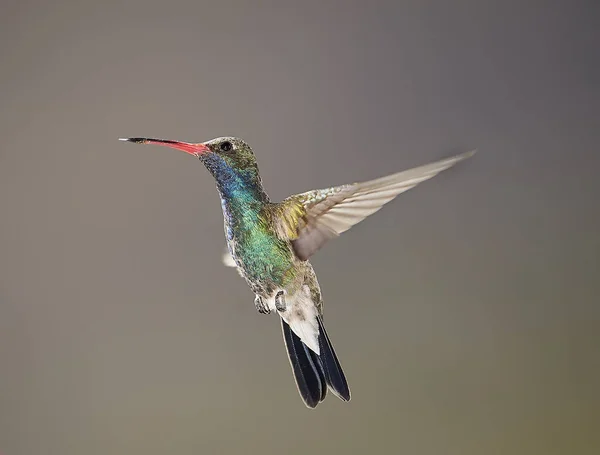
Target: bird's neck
241,206
242,198
241,195
241,191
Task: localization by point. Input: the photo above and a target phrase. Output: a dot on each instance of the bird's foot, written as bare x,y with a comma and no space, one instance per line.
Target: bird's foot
280,304
260,305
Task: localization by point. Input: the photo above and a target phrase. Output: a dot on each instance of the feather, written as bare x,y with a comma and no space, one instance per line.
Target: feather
308,371
228,259
334,375
321,215
313,373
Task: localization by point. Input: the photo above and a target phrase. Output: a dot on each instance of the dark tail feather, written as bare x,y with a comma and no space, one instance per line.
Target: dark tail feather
334,375
307,368
314,373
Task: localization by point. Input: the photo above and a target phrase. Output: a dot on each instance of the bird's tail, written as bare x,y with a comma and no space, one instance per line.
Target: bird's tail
315,373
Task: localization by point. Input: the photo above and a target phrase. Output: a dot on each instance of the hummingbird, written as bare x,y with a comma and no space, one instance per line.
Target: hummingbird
270,244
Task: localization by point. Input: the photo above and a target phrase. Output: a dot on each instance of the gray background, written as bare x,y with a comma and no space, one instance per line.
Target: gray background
465,312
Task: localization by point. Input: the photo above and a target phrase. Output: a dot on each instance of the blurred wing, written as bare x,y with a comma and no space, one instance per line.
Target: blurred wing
310,219
227,258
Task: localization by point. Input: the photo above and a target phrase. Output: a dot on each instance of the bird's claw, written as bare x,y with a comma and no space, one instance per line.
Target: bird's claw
280,304
260,305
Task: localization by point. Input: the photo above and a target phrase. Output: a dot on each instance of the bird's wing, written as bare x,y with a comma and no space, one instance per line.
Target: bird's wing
310,219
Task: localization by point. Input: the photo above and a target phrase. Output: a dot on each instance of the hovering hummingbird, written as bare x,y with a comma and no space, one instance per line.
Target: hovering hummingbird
270,244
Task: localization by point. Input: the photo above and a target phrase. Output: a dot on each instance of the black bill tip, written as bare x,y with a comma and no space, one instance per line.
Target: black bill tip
148,140
135,140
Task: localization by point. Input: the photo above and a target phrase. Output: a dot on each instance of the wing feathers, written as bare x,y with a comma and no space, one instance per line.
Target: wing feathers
329,212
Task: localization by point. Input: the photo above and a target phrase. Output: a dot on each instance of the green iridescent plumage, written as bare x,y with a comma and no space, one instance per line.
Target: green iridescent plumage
263,258
270,243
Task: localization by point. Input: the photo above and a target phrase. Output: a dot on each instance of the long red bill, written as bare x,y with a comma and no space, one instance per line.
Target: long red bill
192,149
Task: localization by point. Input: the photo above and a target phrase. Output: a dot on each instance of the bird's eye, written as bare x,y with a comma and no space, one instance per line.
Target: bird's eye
226,146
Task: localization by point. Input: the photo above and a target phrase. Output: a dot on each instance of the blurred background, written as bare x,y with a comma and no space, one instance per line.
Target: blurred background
465,313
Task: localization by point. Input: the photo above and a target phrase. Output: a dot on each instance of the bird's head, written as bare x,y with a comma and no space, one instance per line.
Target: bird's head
222,156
